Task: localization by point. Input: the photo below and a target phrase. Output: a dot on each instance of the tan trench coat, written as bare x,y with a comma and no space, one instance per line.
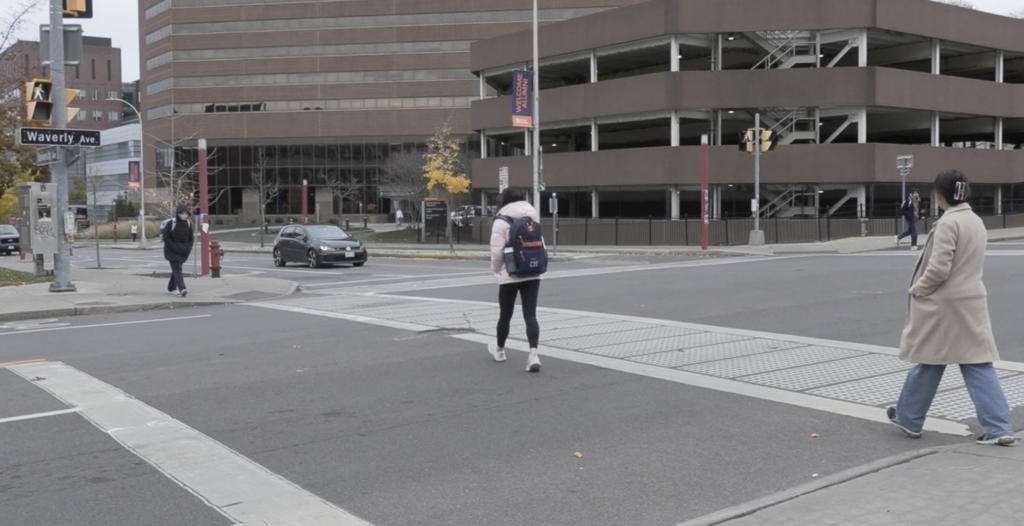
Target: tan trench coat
947,309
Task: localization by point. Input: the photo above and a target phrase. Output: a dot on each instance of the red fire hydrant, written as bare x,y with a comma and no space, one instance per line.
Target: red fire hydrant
215,254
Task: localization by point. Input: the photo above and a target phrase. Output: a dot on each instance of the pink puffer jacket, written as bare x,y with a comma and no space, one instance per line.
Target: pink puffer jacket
499,238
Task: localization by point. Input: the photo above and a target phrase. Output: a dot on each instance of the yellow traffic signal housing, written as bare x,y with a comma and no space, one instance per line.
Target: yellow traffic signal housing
72,7
38,101
767,137
69,112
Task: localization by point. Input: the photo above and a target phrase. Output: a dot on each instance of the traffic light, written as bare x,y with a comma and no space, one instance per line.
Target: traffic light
767,137
39,102
77,8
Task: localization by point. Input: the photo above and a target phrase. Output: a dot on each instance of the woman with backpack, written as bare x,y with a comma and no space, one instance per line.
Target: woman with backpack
518,259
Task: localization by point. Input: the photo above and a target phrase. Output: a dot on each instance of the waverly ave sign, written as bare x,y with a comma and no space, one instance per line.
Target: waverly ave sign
48,137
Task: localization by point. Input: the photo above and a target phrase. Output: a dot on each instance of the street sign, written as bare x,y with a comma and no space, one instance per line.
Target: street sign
541,186
46,156
905,161
502,178
56,137
553,205
69,223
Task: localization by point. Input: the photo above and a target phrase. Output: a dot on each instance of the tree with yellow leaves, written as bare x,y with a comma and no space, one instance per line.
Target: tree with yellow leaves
444,164
444,169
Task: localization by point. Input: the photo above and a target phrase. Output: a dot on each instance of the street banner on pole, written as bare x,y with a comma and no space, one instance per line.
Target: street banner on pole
134,176
522,99
502,178
705,205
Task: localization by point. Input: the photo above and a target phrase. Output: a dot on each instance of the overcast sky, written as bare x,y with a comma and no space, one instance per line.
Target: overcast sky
118,19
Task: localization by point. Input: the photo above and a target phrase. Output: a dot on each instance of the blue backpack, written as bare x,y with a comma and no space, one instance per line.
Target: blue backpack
525,255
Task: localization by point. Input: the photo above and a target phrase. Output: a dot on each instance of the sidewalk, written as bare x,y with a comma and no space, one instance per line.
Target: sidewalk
950,485
114,291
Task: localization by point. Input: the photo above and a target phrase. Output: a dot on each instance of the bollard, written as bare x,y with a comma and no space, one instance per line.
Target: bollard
364,222
216,253
347,226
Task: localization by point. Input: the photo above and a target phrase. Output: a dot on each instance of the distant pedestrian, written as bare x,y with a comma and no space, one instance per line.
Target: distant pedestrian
911,209
947,320
518,259
178,240
135,232
398,218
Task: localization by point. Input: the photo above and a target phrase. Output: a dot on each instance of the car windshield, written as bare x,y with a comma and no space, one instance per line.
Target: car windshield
8,230
327,232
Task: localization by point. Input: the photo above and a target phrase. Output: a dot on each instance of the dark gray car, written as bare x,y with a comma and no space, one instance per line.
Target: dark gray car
317,245
10,240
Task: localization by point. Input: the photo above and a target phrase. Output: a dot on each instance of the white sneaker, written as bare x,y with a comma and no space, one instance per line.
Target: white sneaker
897,240
498,354
914,248
174,293
533,364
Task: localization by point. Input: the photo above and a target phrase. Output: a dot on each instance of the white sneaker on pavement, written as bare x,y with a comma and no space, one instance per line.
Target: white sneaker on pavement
914,248
498,354
897,240
533,364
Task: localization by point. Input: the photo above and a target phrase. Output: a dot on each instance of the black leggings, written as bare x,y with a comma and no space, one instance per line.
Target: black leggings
528,292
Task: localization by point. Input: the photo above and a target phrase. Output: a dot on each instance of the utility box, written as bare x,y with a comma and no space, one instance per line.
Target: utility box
37,203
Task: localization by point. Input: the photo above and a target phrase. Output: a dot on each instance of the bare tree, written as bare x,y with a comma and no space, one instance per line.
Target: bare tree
343,185
178,177
94,182
267,188
1018,13
403,177
16,162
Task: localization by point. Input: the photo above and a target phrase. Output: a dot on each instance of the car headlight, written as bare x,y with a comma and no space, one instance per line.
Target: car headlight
325,248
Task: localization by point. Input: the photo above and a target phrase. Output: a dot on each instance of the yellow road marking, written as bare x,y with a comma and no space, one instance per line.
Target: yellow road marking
5,365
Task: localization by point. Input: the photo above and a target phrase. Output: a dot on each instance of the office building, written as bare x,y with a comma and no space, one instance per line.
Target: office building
97,77
845,86
322,88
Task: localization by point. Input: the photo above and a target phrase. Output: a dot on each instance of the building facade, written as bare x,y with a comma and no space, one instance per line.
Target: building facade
97,77
846,86
103,171
318,88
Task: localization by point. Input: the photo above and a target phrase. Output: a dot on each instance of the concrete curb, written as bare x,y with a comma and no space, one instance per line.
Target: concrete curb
108,309
754,506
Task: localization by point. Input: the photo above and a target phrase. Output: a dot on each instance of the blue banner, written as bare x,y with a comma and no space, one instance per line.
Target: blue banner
522,99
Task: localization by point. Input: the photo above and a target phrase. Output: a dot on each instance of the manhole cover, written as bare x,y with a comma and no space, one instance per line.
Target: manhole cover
94,303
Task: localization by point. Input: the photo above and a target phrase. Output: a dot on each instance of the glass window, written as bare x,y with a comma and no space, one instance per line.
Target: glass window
113,116
97,115
81,115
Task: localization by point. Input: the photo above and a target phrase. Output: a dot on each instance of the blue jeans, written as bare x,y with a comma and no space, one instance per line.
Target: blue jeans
911,231
982,384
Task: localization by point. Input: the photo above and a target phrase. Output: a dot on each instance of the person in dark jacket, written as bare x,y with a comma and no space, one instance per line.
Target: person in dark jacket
178,240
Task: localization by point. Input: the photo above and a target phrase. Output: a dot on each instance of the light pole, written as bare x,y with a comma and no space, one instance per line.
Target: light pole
142,174
536,112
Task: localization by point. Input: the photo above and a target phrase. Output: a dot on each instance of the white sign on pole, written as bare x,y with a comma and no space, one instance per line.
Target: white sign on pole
502,178
905,161
69,223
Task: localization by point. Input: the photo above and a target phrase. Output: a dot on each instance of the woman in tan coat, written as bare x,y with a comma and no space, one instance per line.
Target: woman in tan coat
947,319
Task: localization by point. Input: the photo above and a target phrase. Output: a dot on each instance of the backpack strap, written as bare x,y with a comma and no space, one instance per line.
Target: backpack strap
506,219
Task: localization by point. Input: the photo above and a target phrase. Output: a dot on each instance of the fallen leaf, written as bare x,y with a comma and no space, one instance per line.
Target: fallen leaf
815,435
38,378
578,454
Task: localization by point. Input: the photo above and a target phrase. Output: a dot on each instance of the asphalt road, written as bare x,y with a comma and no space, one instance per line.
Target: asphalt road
401,428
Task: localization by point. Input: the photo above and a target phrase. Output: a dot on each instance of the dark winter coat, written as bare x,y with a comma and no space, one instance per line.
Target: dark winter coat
178,240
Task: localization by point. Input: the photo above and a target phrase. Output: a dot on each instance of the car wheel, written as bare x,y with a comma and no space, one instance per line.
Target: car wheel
359,264
278,258
313,259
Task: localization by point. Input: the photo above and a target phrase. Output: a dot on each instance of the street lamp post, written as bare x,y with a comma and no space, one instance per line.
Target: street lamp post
142,174
536,112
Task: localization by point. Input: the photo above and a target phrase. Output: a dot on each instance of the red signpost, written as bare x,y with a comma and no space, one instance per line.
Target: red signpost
305,201
705,208
204,210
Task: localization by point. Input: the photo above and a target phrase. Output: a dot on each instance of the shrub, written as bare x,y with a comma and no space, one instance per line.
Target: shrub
218,221
279,220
